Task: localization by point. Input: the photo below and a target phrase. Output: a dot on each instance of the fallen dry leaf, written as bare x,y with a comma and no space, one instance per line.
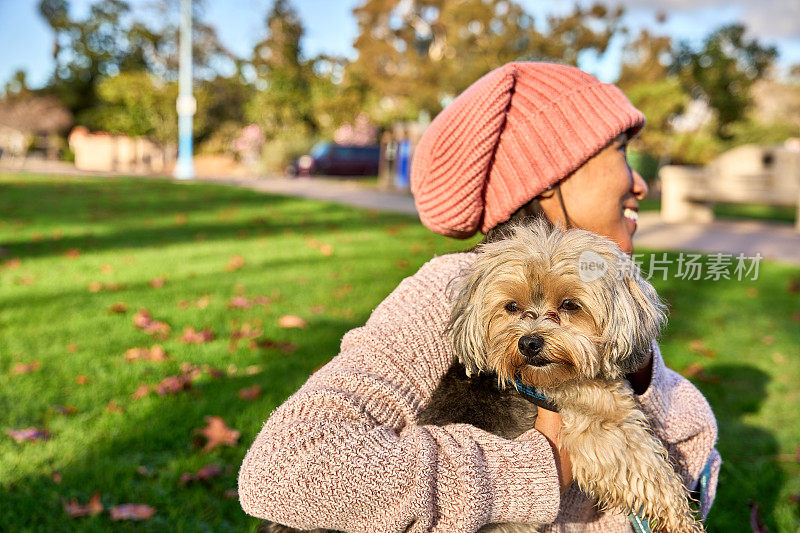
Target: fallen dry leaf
28,434
118,307
217,433
247,331
95,286
201,303
342,290
92,508
326,249
696,371
271,344
114,407
180,219
794,285
66,410
252,370
56,477
752,292
769,340
291,321
796,316
144,321
74,253
261,300
132,511
190,336
25,368
202,475
699,346
142,391
236,262
173,384
13,264
156,353
401,264
106,268
250,393
80,379
72,347
239,302
157,283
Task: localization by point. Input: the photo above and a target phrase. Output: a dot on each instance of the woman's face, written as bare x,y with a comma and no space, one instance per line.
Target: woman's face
601,196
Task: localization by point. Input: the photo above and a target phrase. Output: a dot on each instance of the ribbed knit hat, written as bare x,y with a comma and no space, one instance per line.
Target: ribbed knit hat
509,136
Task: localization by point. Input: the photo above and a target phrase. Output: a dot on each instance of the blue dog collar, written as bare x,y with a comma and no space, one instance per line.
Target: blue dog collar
534,396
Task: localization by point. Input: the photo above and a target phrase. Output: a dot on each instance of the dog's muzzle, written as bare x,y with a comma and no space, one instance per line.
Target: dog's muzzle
531,347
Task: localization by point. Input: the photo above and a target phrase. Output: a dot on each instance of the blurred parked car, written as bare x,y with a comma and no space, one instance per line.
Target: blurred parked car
331,159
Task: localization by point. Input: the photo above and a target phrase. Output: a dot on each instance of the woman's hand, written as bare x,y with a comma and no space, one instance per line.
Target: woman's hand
549,424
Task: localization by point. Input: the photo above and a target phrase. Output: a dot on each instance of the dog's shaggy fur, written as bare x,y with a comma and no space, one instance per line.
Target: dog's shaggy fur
524,313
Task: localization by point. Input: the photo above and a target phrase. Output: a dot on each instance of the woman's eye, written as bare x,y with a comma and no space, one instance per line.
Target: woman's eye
569,305
512,307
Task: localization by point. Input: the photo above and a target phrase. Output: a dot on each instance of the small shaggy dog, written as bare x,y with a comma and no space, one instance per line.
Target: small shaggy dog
567,314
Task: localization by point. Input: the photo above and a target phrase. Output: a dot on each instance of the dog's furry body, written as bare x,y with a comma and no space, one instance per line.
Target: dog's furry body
523,313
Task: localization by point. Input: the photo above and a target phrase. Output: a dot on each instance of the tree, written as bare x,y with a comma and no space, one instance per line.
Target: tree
282,107
110,41
136,104
646,59
416,55
17,85
86,50
722,71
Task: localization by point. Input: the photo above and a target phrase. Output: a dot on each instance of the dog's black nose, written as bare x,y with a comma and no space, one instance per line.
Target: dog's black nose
530,347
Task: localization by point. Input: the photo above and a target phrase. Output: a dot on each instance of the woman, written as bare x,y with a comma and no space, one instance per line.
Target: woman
345,452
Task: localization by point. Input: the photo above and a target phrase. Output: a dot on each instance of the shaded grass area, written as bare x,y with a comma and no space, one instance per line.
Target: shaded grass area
328,264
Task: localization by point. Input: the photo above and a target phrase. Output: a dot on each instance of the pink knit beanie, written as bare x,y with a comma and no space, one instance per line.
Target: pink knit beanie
509,136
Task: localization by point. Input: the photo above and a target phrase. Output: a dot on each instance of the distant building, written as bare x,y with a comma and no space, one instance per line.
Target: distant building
105,152
31,125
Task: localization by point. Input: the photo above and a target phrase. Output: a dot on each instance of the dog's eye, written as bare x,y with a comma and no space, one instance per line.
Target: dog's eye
569,305
512,307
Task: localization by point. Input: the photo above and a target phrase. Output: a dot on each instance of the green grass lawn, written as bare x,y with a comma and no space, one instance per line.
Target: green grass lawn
72,248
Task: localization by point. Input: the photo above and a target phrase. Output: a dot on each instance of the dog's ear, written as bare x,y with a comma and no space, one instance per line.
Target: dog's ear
465,328
635,317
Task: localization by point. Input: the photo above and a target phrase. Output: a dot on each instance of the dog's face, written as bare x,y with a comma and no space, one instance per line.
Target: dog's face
526,311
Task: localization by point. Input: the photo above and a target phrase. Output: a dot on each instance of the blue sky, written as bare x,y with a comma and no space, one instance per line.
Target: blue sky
26,42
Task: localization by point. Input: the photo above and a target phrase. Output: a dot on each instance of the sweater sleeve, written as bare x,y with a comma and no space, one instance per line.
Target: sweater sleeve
344,452
683,420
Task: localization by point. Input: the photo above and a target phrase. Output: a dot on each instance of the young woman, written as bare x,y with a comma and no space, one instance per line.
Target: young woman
345,452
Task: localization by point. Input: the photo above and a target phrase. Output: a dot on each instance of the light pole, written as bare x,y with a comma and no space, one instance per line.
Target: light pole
186,104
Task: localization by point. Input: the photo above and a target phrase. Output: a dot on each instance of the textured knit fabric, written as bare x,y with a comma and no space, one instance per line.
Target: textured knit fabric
345,451
516,131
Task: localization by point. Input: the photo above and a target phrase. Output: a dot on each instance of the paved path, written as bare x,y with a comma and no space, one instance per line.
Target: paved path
772,240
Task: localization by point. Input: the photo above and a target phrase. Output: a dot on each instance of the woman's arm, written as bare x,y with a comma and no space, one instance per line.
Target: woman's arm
344,452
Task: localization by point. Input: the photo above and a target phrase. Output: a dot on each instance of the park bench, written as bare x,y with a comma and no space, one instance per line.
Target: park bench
745,175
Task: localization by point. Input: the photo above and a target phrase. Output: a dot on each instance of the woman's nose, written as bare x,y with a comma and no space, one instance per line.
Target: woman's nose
639,188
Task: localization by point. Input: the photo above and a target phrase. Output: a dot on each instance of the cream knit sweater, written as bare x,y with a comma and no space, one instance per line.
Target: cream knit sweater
345,452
